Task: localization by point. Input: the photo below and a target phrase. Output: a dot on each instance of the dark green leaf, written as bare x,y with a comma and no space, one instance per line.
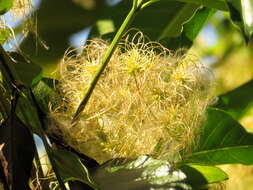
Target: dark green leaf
28,73
76,185
170,14
200,175
6,68
238,101
215,4
5,5
223,141
175,25
71,168
4,34
27,112
140,174
16,153
190,30
4,102
17,70
179,23
57,20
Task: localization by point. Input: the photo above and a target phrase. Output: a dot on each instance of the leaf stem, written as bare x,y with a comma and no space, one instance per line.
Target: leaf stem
136,6
144,5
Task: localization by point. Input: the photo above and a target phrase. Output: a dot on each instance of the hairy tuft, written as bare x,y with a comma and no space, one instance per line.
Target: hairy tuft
21,8
148,100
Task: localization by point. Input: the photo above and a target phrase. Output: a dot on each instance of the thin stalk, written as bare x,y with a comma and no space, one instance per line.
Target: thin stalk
149,3
106,59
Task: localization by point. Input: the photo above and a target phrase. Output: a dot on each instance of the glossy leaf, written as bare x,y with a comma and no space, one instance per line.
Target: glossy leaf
16,153
237,101
5,5
71,168
223,141
142,173
200,175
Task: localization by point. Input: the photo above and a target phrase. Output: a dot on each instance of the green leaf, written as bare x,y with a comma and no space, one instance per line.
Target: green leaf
28,73
4,34
5,5
175,26
194,26
215,4
223,141
238,101
179,21
142,173
18,70
162,19
27,112
44,93
190,30
242,15
200,175
57,21
71,168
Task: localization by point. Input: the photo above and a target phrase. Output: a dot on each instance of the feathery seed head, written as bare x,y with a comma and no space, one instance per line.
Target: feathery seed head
147,101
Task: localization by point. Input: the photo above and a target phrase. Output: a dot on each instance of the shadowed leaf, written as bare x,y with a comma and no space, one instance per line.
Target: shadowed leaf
190,30
28,73
44,93
56,21
237,101
161,20
16,153
215,4
71,168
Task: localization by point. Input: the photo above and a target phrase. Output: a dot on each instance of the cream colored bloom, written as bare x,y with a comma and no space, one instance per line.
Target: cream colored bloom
147,101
